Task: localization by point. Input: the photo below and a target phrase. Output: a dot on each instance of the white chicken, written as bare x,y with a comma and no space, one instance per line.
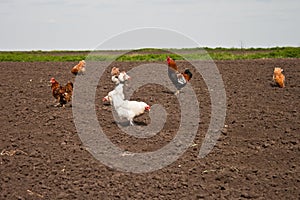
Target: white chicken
120,79
127,109
108,97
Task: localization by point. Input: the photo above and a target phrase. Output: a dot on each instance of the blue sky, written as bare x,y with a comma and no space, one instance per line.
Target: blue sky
84,24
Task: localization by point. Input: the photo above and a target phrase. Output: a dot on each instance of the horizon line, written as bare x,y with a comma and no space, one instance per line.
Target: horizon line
129,49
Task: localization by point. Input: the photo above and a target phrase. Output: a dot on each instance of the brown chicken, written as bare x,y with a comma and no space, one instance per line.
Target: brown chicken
62,94
178,79
66,93
115,71
278,77
55,87
79,69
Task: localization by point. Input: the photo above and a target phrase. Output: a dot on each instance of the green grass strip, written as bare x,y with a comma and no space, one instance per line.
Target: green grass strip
152,54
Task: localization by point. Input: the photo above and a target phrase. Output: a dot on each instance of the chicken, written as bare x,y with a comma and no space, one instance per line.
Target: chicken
55,87
108,98
278,77
62,94
178,79
66,94
79,69
120,79
115,71
127,109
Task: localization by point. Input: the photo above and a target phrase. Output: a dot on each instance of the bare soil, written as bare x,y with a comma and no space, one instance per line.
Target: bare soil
256,157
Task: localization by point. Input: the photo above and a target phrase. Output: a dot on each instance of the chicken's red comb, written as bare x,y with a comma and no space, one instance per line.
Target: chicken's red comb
147,107
168,59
